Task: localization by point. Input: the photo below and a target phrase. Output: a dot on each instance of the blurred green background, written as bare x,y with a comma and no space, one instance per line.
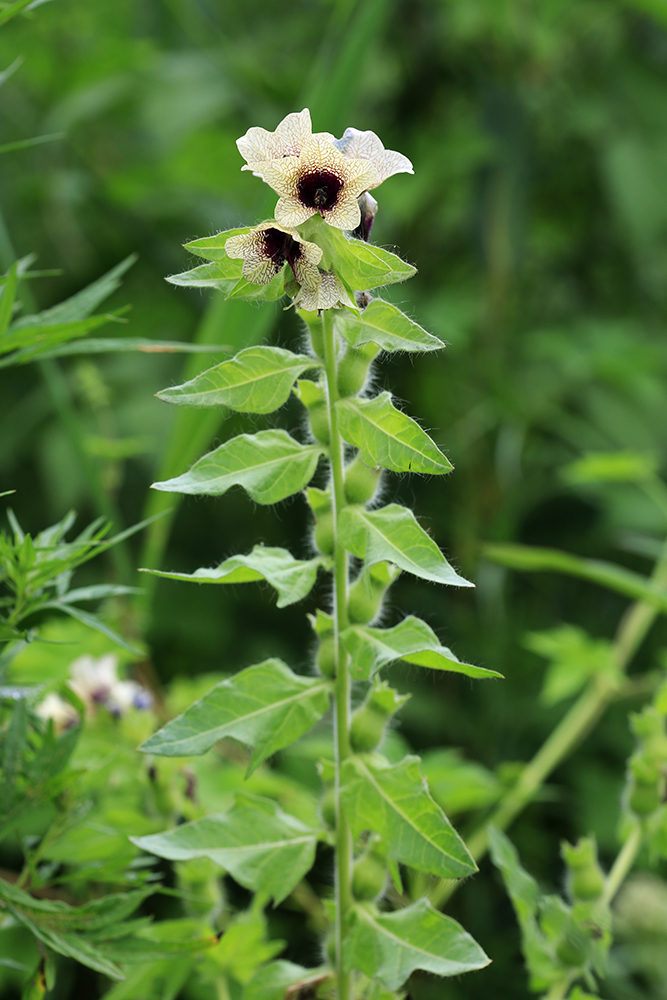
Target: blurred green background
537,219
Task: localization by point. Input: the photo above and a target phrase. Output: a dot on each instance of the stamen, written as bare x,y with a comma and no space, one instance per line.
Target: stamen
319,189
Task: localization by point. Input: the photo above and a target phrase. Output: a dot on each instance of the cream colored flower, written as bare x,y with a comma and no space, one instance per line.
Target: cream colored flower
60,711
330,294
265,250
367,146
320,179
258,146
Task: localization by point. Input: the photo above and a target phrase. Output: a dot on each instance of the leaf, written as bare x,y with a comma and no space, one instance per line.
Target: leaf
457,784
612,467
63,928
266,706
270,465
92,621
81,305
7,300
411,640
392,533
262,847
394,801
31,341
249,291
392,945
533,560
292,578
223,276
273,981
213,247
257,380
361,265
13,9
35,140
388,437
384,324
524,893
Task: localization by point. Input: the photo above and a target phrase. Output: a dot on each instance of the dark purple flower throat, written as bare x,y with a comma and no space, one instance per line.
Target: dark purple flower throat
319,189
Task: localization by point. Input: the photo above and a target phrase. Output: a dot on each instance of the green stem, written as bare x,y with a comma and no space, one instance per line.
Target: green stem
623,863
342,712
572,728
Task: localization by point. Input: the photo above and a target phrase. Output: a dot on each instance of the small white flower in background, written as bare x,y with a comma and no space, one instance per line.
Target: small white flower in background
96,682
93,679
60,711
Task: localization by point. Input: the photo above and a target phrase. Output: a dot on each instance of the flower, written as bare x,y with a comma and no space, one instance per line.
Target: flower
54,707
258,146
367,146
96,682
330,294
320,179
266,248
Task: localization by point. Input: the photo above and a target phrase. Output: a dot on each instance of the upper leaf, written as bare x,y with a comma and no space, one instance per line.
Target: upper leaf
361,265
392,533
291,578
257,380
388,437
270,465
394,801
213,247
264,848
392,945
266,706
411,640
384,324
222,275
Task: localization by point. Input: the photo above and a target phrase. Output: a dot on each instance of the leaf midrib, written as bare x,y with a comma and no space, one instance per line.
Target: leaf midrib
364,407
291,366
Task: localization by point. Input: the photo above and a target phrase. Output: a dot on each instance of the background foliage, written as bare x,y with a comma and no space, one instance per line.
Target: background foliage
537,218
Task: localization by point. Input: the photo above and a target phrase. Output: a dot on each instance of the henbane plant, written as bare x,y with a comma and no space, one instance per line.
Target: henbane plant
378,817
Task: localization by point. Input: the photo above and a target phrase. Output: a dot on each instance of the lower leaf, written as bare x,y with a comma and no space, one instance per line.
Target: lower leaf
391,946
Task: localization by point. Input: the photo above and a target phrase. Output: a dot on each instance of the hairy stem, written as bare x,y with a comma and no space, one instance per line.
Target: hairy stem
631,631
342,692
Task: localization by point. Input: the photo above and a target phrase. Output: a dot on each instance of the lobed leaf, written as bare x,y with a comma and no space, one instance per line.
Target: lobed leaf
362,265
384,324
392,946
223,276
624,581
394,801
266,706
411,640
257,380
213,247
270,465
262,847
292,578
388,437
392,533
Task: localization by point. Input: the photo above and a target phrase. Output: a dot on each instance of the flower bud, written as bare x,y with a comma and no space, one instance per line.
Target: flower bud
369,876
353,368
646,787
368,590
323,627
323,532
313,397
370,719
361,481
585,877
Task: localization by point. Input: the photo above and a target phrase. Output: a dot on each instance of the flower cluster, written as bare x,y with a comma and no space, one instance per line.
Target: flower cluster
95,682
314,174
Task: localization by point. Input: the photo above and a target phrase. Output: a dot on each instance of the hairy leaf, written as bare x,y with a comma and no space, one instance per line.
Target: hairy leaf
392,533
222,276
362,265
266,706
291,578
394,801
263,848
412,640
388,437
270,465
392,945
257,380
384,324
213,247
